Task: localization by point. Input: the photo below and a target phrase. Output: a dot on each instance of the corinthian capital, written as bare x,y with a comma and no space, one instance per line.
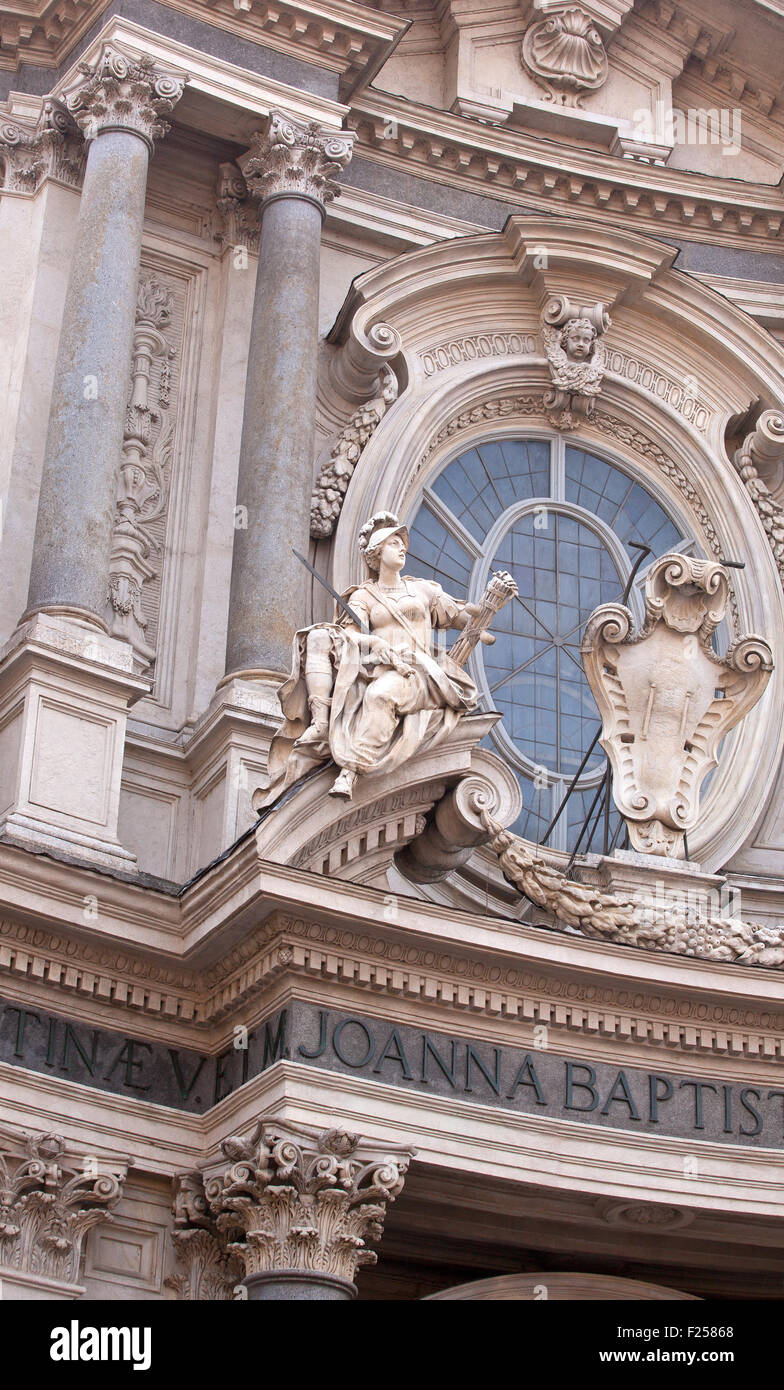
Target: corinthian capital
119,92
207,1270
48,1203
51,149
289,158
305,1200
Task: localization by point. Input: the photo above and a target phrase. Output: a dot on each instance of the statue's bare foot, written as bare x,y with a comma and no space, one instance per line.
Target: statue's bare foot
344,784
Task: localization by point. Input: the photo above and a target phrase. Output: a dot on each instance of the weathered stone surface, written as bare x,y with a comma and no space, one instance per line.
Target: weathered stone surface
291,169
666,698
303,1206
268,583
76,504
520,1078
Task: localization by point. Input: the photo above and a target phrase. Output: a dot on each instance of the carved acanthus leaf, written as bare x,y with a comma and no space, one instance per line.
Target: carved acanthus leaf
53,148
290,157
304,1199
119,92
763,446
209,1271
239,226
47,1207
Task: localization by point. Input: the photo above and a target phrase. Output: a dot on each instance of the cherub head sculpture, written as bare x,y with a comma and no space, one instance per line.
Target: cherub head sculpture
577,339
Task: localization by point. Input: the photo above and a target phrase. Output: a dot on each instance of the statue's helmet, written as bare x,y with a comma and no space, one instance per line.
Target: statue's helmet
375,532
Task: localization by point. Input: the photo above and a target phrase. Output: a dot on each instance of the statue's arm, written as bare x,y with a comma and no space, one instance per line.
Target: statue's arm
356,600
446,611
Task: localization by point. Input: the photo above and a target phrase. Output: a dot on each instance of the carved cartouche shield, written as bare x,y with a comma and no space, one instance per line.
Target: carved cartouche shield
666,699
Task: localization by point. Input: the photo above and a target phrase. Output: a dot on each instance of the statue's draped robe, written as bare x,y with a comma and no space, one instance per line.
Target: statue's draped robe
424,708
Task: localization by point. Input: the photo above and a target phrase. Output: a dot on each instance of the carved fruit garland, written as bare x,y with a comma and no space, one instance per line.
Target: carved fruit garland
337,471
604,916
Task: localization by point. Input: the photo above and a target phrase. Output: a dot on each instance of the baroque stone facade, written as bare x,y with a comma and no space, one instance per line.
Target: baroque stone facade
392,652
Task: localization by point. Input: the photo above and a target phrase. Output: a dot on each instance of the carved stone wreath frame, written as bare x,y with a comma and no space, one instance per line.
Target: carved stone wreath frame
653,444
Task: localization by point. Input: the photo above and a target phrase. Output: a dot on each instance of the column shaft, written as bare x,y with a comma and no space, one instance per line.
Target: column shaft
83,447
300,1286
276,458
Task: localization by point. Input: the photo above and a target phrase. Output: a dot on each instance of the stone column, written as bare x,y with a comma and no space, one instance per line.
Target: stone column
290,169
300,1207
118,103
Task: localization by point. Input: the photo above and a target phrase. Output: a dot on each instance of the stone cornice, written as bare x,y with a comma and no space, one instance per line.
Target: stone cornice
345,37
447,960
464,152
560,1152
236,95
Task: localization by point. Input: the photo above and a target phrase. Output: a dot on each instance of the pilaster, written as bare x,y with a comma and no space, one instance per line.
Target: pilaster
119,104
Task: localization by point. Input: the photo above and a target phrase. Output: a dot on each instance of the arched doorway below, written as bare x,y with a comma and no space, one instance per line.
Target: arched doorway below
529,1288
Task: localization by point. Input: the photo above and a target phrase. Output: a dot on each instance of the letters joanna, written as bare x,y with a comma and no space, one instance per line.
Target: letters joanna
394,1053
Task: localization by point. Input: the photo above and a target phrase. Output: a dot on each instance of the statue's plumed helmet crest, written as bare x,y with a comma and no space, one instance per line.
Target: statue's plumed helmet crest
378,529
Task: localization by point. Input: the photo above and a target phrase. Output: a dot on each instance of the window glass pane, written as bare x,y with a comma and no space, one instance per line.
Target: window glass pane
627,508
534,669
434,553
479,485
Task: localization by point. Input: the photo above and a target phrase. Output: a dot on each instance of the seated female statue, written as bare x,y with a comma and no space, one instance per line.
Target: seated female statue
371,696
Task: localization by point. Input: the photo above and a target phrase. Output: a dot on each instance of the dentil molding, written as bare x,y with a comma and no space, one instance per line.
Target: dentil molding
90,983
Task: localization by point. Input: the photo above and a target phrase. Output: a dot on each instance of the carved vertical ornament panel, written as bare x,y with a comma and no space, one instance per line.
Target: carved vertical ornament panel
152,482
145,470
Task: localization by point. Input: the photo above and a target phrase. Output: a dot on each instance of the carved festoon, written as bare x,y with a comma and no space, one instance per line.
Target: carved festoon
125,93
290,157
565,54
207,1269
575,354
606,916
666,699
761,451
335,474
52,148
48,1203
145,467
305,1200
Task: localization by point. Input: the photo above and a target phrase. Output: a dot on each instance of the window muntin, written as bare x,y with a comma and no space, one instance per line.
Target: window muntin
559,519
